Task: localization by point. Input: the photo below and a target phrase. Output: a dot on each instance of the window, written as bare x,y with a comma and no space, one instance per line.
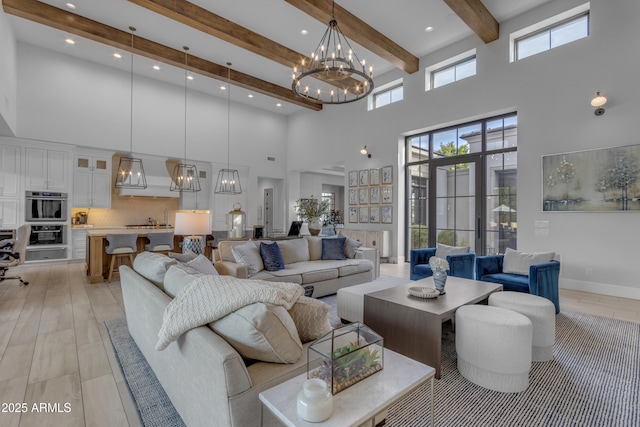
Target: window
453,73
451,70
387,94
551,33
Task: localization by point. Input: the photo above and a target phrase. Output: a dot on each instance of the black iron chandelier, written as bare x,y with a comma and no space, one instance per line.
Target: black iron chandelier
333,74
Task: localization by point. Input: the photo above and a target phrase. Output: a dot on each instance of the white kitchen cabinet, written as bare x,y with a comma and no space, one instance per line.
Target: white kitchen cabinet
200,199
91,181
9,171
46,169
9,212
78,243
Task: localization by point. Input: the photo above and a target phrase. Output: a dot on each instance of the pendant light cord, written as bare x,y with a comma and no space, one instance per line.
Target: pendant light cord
186,75
133,29
228,114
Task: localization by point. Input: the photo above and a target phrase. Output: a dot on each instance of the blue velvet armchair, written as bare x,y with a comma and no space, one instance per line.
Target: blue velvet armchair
542,279
460,265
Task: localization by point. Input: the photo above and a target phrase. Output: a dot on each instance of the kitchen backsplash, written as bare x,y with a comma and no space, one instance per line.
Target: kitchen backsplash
131,210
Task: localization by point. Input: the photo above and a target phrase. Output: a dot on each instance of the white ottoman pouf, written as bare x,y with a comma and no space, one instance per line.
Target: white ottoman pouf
351,298
542,314
494,347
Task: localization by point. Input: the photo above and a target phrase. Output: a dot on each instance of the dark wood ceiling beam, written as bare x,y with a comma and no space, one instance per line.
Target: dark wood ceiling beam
45,14
477,17
360,32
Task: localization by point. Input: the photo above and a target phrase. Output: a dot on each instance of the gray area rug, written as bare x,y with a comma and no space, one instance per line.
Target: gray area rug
593,380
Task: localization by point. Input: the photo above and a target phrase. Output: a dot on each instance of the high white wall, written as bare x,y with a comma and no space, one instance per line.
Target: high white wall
69,100
551,93
8,77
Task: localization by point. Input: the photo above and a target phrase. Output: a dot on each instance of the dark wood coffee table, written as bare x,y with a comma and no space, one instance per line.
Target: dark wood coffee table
413,326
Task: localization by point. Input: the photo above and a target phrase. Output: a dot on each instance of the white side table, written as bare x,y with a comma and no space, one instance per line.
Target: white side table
360,404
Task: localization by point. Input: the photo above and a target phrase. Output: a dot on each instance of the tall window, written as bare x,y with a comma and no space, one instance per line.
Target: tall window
461,186
331,198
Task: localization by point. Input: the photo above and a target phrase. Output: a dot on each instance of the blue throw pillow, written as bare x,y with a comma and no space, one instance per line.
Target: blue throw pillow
271,256
333,248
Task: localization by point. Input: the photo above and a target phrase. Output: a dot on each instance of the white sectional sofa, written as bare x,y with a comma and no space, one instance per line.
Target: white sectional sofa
304,264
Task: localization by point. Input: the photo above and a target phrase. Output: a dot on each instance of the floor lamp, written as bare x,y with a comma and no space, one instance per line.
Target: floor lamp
194,226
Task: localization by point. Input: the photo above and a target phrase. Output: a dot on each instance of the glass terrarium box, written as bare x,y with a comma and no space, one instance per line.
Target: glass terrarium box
345,356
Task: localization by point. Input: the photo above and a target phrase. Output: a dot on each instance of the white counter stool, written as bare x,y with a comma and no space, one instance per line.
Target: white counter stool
121,245
542,314
160,242
494,347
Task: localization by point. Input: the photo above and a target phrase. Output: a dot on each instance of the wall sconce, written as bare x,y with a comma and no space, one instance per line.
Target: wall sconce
365,152
598,101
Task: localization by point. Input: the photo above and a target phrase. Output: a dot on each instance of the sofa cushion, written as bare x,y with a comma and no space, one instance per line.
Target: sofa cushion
153,267
355,267
333,248
186,257
443,251
249,255
285,275
319,275
315,247
261,332
271,256
294,250
350,245
509,282
519,262
178,276
311,317
203,265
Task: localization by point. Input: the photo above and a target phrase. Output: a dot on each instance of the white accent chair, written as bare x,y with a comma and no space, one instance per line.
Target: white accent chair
16,255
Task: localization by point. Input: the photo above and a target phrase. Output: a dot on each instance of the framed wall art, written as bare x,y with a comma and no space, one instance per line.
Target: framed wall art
353,179
601,180
374,195
387,194
364,178
363,196
374,214
386,214
387,175
364,214
374,176
353,214
353,197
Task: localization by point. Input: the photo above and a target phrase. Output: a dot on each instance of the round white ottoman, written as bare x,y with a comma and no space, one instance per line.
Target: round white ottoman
494,347
542,314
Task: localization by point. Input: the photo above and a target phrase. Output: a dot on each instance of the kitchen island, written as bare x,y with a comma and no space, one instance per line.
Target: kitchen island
98,260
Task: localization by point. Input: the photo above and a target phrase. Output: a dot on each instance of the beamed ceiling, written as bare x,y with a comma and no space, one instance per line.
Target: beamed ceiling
262,38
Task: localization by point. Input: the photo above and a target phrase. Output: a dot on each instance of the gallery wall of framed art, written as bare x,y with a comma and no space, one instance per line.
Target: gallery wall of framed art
370,196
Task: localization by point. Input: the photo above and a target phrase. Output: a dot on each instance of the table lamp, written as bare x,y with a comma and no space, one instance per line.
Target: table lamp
194,226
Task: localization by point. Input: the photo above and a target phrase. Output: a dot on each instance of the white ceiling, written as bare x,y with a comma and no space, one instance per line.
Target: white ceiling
403,21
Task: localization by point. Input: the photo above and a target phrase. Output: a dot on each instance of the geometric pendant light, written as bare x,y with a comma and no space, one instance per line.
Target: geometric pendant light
185,177
228,179
130,169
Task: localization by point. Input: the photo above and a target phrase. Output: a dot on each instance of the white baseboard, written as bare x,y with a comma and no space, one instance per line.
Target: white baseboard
601,288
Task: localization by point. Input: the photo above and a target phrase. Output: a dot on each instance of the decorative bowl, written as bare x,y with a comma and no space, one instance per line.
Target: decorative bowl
422,292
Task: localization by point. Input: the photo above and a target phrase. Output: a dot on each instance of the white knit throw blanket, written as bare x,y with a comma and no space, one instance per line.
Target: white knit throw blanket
209,298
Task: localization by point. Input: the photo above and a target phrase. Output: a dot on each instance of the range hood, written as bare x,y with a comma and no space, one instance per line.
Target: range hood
158,179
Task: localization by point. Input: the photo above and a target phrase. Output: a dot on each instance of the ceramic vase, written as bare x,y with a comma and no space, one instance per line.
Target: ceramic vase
315,226
440,278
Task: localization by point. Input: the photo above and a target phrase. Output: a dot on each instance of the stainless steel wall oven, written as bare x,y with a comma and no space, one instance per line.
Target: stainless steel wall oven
45,206
47,242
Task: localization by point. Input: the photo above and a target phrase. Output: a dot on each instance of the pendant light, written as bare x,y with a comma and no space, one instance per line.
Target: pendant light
130,169
185,177
228,179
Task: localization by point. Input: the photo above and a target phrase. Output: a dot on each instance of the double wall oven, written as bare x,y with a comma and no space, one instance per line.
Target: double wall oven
47,213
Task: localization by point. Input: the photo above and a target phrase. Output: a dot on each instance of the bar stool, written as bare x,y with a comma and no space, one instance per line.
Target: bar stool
121,245
160,242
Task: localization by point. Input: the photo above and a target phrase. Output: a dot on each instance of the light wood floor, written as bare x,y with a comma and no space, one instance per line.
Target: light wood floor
54,348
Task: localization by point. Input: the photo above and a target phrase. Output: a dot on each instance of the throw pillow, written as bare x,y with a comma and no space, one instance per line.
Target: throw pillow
519,262
294,250
153,267
443,251
271,256
333,248
350,245
178,276
249,255
311,317
262,332
186,257
203,265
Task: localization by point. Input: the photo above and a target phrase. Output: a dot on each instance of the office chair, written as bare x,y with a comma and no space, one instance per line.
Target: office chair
16,255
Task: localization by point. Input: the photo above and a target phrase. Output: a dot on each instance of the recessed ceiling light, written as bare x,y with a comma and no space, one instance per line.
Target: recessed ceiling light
117,55
304,32
429,29
156,67
70,41
223,88
250,96
189,77
71,6
278,105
